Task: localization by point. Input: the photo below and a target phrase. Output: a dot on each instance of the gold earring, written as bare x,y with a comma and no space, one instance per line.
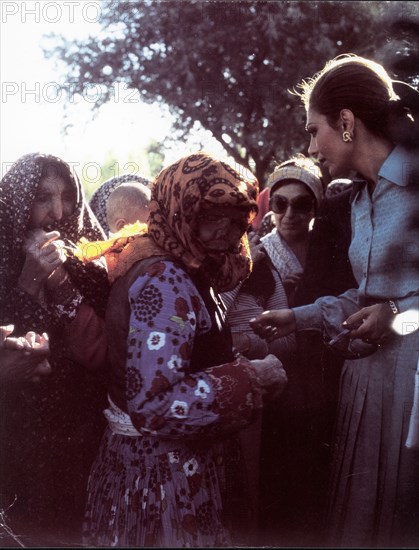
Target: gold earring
347,137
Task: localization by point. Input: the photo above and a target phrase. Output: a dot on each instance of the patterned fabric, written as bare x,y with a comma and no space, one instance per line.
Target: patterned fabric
374,497
178,195
98,201
267,224
262,291
180,482
281,255
183,415
17,190
49,430
302,170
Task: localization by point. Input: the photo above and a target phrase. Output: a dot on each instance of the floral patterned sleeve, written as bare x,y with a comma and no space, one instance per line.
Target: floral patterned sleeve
163,395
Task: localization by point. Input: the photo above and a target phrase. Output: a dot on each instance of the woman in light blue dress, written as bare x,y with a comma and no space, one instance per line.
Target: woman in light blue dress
361,120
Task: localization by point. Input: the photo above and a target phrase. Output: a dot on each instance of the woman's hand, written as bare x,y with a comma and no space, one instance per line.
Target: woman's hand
57,277
371,324
290,285
271,325
23,358
256,248
44,254
241,342
271,375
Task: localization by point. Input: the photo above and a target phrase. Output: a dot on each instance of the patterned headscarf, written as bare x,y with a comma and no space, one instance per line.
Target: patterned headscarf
99,198
17,192
179,194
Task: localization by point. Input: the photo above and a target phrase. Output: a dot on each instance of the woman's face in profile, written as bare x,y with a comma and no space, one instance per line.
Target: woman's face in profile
328,147
54,201
220,228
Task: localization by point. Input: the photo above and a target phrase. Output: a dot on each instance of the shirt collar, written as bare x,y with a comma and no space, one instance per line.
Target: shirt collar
399,166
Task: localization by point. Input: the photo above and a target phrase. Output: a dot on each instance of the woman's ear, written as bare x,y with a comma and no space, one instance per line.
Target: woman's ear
346,121
120,223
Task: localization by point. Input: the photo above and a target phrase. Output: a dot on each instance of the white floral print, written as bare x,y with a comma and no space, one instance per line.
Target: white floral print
179,409
202,389
174,362
190,467
156,340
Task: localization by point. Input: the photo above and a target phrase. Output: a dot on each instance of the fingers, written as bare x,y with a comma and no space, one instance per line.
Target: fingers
271,333
40,237
371,324
31,344
263,327
5,330
15,343
42,341
53,253
262,319
355,320
274,324
36,239
30,338
43,256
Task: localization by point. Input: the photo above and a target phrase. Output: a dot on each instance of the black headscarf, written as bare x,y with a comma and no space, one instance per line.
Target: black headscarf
49,431
17,192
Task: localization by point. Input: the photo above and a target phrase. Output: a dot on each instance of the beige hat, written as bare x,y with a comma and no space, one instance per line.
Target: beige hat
304,170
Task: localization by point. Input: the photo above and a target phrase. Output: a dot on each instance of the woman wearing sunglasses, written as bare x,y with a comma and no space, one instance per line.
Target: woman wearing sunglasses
295,194
295,190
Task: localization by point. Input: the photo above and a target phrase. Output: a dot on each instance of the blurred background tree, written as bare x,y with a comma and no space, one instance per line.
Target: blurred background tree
147,163
228,65
399,36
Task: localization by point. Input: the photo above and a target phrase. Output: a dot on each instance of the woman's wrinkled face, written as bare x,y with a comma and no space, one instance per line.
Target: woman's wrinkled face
221,228
54,201
295,209
327,145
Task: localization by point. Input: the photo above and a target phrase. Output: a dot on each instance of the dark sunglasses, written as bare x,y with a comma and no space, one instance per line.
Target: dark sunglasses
300,205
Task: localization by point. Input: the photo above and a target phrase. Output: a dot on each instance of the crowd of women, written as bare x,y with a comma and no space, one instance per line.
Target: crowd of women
225,369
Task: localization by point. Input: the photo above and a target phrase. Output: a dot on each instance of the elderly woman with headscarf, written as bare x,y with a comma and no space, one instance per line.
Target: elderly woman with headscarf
272,443
178,395
50,429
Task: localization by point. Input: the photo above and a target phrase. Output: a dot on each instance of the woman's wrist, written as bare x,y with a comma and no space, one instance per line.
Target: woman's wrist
57,278
393,306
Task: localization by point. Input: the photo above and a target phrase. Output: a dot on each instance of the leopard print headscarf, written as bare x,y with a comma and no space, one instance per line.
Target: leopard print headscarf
178,195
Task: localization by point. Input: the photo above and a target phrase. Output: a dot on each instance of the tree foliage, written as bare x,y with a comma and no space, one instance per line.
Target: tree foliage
228,65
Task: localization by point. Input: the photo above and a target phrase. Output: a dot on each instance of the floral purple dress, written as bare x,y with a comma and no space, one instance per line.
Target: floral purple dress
168,463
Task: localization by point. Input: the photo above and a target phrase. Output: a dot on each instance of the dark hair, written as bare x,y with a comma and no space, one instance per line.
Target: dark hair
364,87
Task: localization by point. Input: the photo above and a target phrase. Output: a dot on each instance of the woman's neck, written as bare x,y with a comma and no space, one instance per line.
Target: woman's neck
370,157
